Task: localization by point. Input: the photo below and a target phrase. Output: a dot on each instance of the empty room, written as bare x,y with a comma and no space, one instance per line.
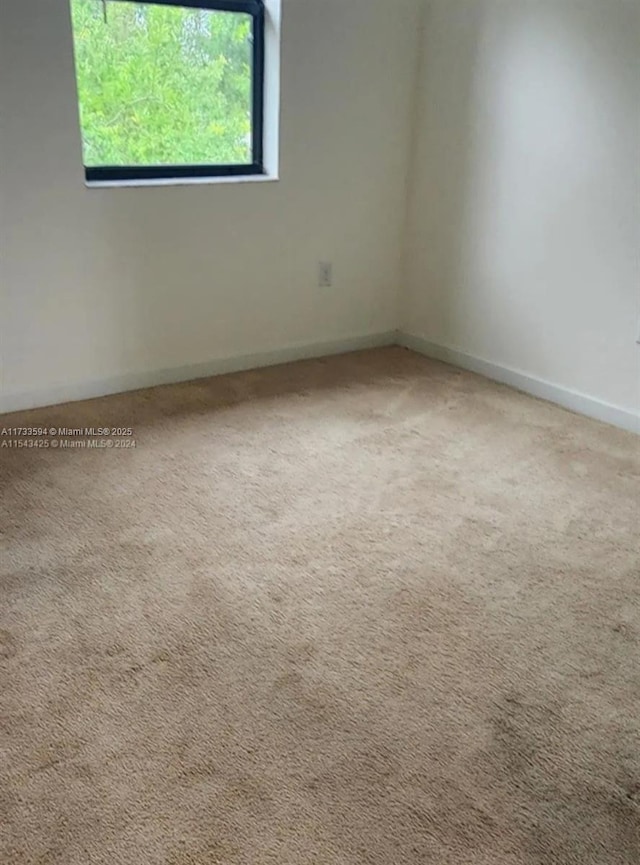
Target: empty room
320,432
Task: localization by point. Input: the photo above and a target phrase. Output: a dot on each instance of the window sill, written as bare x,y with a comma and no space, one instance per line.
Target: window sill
182,181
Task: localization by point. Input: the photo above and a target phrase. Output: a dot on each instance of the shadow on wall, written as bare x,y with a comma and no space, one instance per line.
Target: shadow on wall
443,158
522,209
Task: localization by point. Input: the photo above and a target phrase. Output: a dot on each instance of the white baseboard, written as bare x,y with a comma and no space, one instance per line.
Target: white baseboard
565,397
73,392
570,399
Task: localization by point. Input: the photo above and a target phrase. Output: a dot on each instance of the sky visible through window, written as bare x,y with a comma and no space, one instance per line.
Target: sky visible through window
162,85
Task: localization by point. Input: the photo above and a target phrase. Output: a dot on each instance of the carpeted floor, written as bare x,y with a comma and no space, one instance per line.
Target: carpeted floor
367,609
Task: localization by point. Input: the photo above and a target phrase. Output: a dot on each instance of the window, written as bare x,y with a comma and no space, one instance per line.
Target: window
170,88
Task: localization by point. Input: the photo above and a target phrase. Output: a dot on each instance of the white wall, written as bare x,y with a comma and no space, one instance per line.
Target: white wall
106,283
523,243
519,242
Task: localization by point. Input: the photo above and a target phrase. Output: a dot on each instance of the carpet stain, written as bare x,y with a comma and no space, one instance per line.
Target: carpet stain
7,645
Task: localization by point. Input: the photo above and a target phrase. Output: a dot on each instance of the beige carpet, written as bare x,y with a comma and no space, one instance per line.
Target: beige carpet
368,609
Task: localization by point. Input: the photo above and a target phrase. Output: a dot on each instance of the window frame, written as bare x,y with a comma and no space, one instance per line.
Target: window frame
256,9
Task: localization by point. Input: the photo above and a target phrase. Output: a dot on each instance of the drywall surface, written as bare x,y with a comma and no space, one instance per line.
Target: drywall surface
523,245
104,284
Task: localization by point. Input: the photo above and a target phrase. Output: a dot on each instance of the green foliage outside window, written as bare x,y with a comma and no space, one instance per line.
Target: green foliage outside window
162,85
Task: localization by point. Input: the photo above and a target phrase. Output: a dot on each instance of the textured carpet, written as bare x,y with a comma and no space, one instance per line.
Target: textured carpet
366,609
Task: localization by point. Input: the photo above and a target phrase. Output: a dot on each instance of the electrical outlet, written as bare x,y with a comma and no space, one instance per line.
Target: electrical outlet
325,274
638,335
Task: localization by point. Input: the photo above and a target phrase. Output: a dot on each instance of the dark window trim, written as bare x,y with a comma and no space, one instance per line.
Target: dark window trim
255,8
